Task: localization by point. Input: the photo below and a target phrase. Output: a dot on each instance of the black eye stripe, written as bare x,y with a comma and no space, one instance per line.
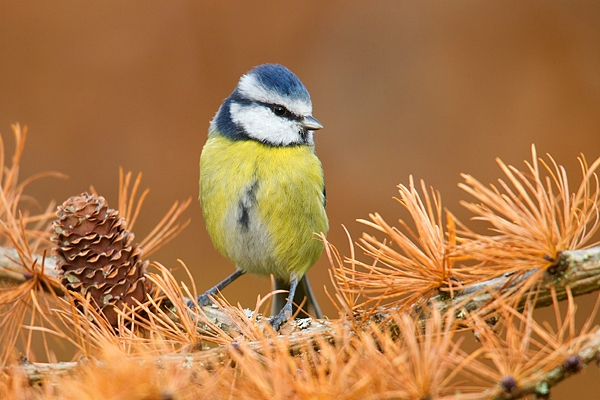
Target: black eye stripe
277,110
237,98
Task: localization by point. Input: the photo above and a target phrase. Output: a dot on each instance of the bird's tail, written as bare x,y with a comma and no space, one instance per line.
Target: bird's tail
303,291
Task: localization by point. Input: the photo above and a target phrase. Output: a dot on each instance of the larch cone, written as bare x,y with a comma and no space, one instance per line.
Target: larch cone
95,253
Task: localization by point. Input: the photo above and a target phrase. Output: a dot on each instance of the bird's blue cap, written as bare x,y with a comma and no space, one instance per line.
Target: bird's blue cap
278,78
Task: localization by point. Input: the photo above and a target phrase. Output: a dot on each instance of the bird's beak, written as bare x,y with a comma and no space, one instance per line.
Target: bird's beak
310,123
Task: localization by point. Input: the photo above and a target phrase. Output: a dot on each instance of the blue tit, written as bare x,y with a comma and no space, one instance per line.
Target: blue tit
262,189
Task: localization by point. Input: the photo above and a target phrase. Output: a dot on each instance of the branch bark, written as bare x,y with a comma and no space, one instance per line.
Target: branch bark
13,272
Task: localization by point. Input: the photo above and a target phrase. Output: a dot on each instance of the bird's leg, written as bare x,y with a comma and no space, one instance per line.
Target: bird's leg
286,311
204,300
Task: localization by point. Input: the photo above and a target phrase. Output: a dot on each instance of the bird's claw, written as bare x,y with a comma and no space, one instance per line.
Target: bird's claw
190,304
280,319
201,301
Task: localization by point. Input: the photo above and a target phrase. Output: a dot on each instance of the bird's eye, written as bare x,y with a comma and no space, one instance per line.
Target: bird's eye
279,110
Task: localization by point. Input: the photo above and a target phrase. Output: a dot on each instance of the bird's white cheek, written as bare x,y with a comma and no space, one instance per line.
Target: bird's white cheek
261,124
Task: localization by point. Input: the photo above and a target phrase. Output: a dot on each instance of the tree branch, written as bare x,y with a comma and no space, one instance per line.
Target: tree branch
13,272
541,387
578,270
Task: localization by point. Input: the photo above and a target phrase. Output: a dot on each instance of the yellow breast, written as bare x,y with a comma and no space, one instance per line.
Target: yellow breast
262,203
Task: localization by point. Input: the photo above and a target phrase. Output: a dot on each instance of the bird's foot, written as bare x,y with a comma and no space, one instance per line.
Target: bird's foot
201,301
190,304
281,318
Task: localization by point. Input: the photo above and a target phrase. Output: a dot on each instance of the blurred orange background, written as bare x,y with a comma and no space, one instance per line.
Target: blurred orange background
425,88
